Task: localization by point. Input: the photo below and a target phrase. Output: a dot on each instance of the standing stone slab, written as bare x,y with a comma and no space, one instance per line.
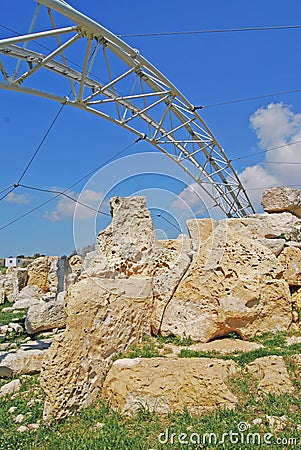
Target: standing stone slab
104,316
234,285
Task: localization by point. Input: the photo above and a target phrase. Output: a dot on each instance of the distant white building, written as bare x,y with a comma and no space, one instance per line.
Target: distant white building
13,262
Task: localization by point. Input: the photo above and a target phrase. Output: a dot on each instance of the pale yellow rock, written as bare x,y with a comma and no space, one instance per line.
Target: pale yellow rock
104,316
282,198
171,261
199,231
296,298
226,346
128,248
38,272
234,285
75,262
13,282
169,384
272,375
290,258
21,362
269,226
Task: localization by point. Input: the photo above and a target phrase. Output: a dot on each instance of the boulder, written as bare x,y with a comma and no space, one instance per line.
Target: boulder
290,258
15,281
281,199
268,226
21,362
46,316
168,385
272,375
76,267
234,285
10,388
48,273
29,295
104,316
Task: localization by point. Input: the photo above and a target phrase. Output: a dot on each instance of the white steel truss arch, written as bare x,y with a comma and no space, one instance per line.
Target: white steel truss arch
107,77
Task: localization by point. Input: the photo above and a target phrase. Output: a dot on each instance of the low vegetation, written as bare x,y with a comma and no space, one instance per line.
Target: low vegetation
264,422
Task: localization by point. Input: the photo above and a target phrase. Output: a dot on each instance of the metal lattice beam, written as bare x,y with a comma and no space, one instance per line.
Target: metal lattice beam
107,77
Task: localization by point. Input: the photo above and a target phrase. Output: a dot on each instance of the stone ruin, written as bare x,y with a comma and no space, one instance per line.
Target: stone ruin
238,276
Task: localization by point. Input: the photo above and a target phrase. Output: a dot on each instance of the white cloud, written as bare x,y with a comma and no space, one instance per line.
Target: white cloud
276,126
255,180
67,208
20,199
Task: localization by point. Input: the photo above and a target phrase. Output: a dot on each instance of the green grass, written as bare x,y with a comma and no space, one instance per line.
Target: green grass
7,317
100,428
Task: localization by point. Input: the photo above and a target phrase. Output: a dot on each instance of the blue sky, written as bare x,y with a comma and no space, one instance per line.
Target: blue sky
207,68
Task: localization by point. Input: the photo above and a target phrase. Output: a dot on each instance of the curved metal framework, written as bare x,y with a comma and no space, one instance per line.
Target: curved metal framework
107,77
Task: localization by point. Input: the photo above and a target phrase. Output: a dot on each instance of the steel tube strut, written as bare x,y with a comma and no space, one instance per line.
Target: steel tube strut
120,85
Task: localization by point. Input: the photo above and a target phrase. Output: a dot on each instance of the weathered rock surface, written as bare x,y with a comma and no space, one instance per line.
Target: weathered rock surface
282,198
199,231
226,346
269,226
28,296
170,384
76,267
15,281
104,316
21,362
233,285
48,273
272,375
290,258
171,262
46,316
128,248
10,388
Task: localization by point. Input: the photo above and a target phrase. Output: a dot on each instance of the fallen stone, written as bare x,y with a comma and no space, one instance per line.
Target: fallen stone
22,429
33,426
19,418
291,340
10,388
28,296
272,375
45,316
277,423
168,385
21,362
268,226
281,199
234,285
16,327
